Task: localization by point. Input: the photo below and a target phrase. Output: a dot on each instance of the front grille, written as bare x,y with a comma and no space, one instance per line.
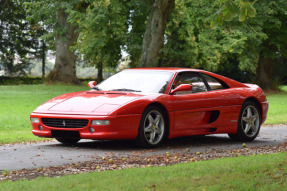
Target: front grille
65,123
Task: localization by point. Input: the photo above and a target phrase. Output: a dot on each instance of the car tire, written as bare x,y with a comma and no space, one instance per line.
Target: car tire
67,140
153,127
249,122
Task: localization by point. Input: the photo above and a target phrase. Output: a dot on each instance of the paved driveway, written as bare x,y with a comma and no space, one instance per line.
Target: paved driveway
44,154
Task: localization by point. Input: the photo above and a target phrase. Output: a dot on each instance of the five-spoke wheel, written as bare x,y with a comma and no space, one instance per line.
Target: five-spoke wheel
152,128
249,122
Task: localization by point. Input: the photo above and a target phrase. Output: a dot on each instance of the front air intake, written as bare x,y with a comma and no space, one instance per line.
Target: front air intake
65,123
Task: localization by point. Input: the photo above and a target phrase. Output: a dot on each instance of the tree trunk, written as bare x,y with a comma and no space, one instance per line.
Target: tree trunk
154,35
265,72
43,60
100,72
65,67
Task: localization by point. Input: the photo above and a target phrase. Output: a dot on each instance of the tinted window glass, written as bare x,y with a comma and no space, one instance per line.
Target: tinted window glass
190,78
213,83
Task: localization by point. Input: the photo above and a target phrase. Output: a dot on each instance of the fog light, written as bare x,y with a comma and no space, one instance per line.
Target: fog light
92,130
35,120
100,122
40,128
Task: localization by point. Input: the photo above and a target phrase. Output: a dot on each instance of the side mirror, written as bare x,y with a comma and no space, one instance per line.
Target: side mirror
182,87
92,84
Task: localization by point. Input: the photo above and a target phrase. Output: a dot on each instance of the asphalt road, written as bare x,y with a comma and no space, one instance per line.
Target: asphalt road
44,154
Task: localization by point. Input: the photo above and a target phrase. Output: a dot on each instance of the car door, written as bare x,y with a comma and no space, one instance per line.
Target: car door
195,109
228,101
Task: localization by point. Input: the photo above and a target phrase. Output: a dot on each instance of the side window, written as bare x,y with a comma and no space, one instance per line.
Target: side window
190,78
213,83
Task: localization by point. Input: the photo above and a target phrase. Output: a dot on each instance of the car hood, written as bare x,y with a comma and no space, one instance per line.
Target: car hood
87,103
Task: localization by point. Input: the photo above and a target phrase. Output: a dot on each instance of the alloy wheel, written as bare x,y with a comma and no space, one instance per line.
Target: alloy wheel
154,127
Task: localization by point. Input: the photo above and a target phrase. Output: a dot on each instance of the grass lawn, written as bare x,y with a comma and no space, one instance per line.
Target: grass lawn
17,102
283,88
260,172
277,113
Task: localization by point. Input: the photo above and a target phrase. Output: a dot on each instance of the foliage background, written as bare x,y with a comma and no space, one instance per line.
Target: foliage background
240,39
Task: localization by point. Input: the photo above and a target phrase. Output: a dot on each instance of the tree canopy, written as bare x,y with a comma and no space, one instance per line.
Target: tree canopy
254,45
207,34
103,27
19,43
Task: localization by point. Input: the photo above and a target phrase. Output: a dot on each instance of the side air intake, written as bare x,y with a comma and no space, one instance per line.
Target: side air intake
214,115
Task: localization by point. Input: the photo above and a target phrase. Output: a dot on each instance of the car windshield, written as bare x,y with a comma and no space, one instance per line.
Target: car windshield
146,81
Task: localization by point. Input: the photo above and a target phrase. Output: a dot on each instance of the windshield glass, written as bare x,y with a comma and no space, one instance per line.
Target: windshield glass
146,81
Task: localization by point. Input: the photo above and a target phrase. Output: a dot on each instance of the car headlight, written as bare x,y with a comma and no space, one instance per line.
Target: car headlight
35,120
100,122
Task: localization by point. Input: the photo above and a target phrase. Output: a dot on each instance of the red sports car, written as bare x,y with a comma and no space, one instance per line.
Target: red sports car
152,104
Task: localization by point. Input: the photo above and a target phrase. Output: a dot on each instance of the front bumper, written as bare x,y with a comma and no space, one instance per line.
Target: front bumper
120,127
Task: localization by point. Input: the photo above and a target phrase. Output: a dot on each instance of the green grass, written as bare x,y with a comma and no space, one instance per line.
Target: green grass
16,104
277,113
283,88
260,172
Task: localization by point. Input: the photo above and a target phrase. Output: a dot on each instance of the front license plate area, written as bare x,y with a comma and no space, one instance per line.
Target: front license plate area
66,134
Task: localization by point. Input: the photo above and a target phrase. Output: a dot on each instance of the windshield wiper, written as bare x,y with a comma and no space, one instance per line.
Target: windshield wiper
96,88
126,90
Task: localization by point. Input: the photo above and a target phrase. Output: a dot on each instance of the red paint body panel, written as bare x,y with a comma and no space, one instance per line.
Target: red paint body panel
121,127
188,114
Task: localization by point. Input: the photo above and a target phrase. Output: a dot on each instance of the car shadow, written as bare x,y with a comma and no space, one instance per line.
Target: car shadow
209,141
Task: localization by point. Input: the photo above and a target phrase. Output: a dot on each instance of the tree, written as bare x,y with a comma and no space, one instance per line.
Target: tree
191,42
139,11
255,44
103,29
272,20
18,42
160,11
65,34
153,39
43,45
264,44
65,68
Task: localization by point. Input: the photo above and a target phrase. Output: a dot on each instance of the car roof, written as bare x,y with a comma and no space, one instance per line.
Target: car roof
168,69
